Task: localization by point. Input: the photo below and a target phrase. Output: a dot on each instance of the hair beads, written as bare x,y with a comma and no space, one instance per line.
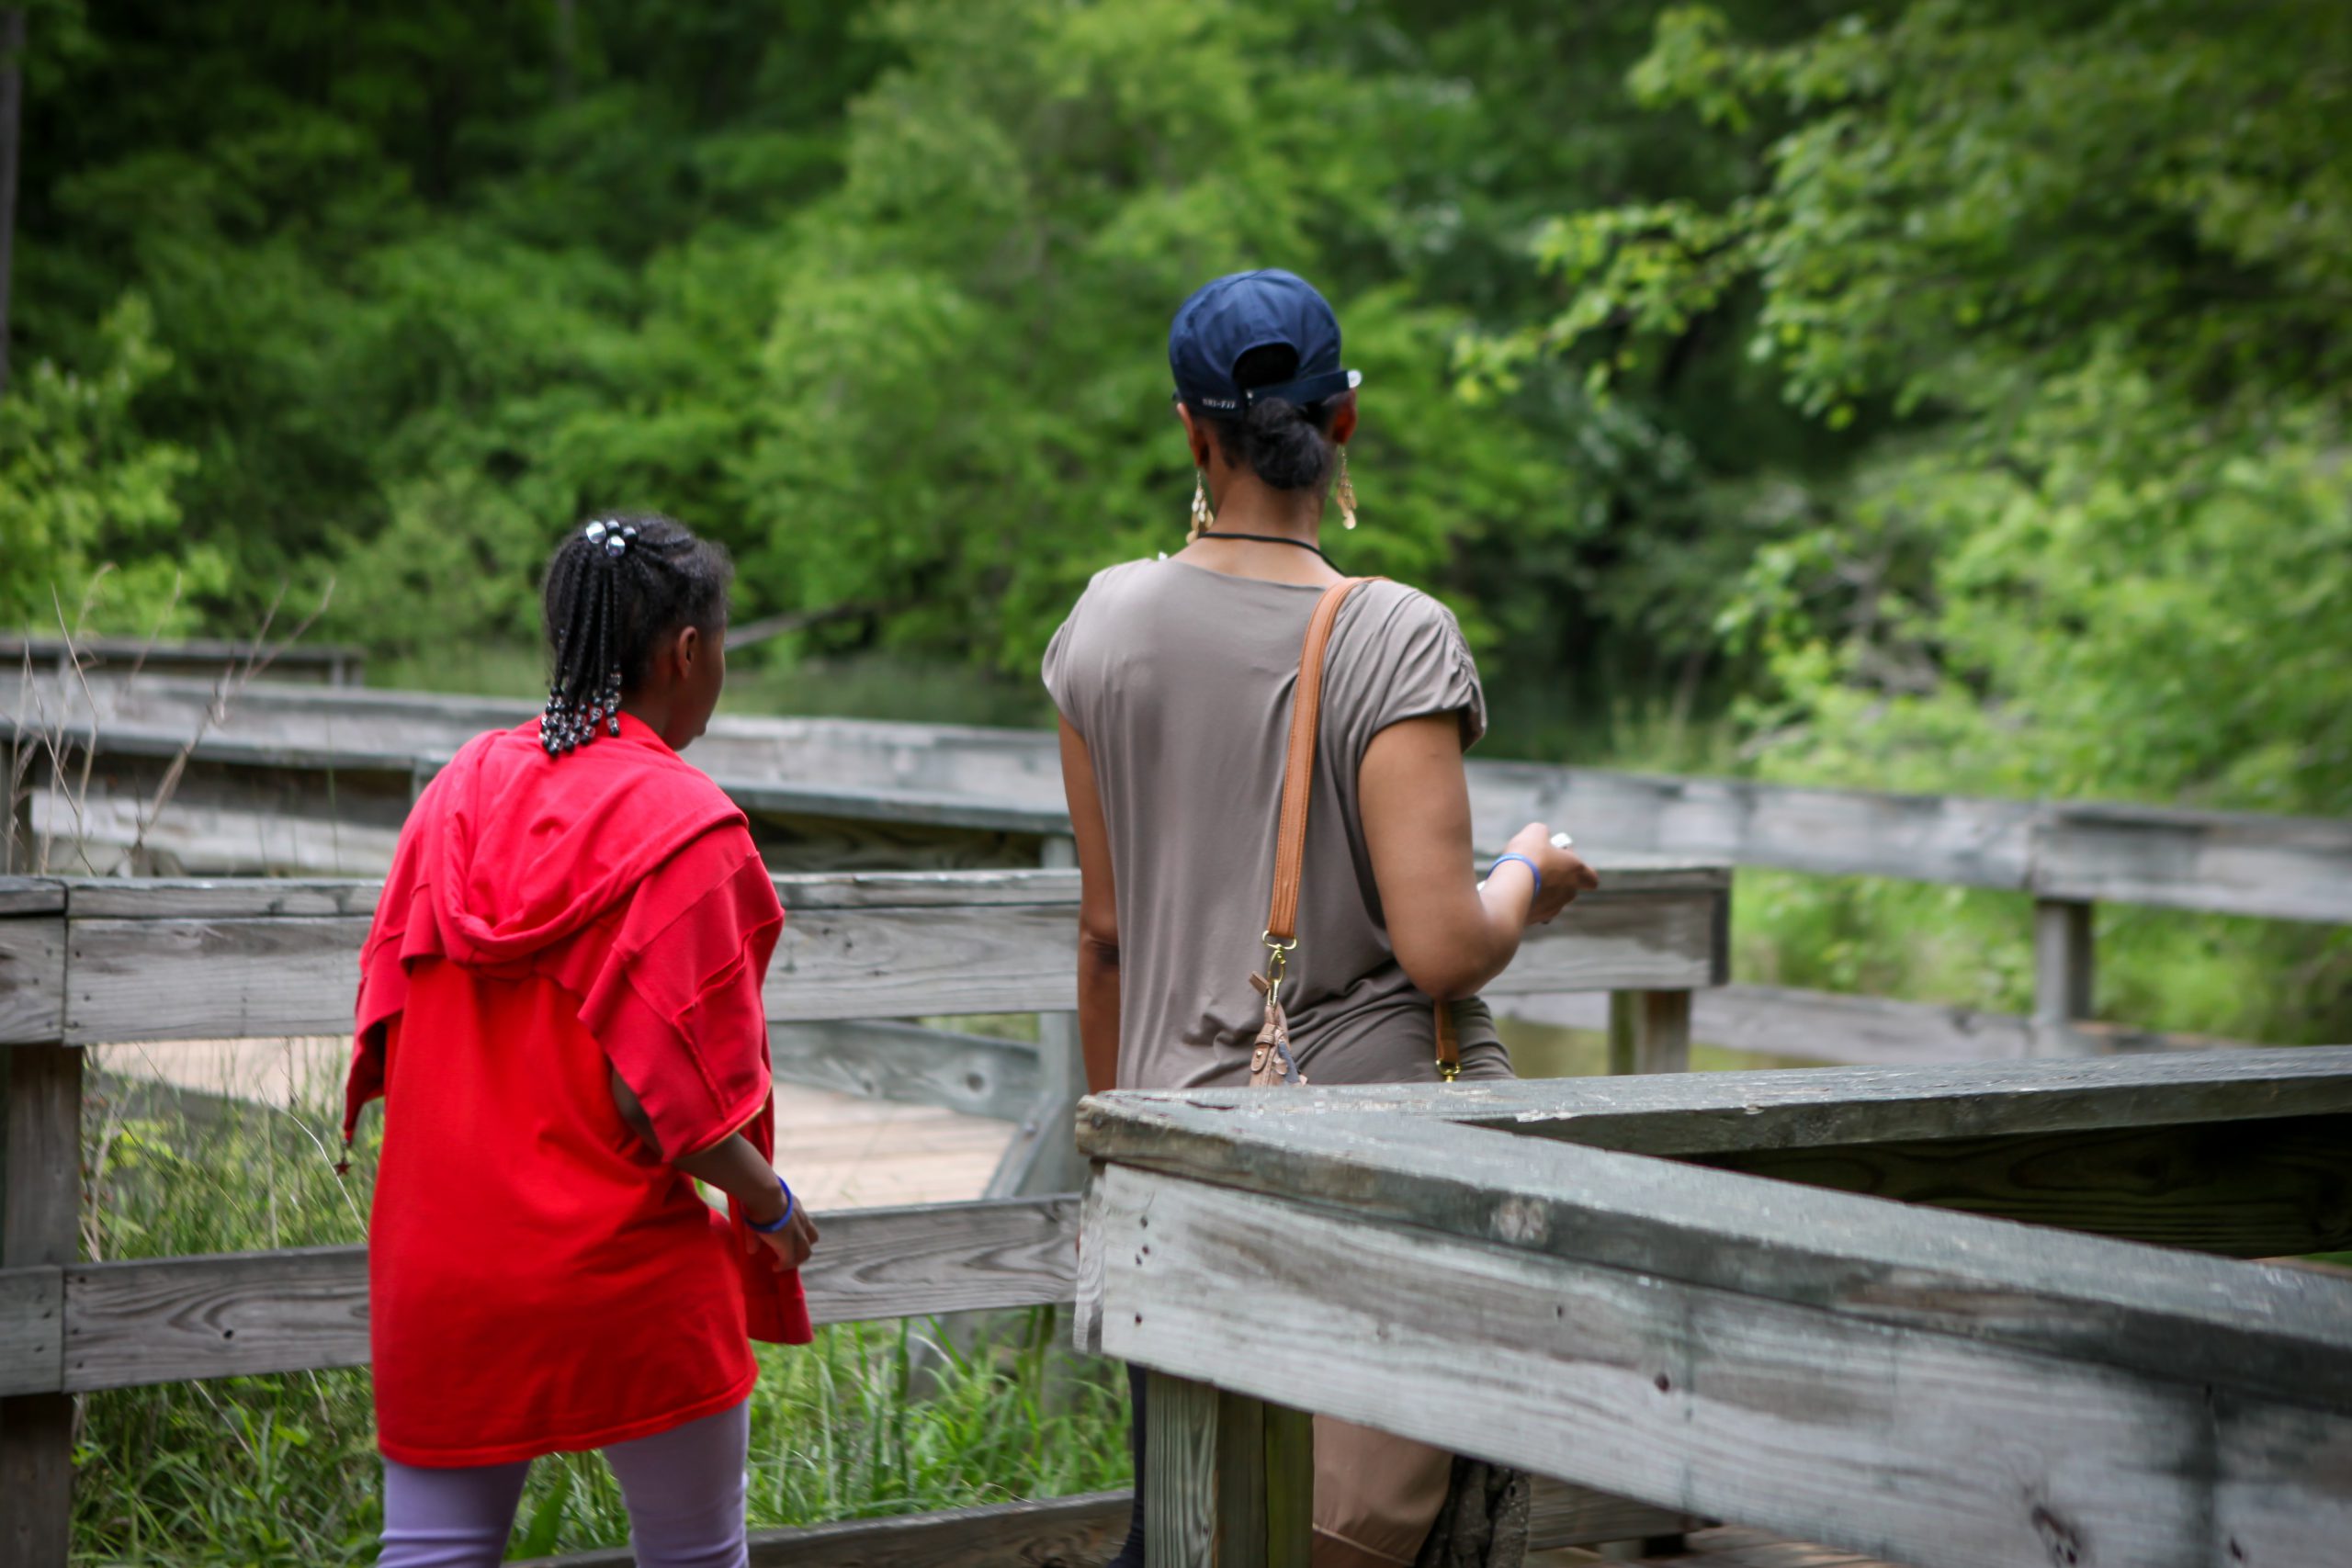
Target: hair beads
613,589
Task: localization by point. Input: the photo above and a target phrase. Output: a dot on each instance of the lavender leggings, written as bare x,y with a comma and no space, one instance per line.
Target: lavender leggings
683,1487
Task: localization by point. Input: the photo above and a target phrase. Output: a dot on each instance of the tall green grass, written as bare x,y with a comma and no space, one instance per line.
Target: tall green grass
873,1420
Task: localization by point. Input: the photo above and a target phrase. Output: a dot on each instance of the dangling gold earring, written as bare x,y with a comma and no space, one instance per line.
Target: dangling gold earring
1347,492
1202,518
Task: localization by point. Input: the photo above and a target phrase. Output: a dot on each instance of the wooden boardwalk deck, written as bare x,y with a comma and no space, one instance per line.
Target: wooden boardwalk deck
841,1151
1721,1547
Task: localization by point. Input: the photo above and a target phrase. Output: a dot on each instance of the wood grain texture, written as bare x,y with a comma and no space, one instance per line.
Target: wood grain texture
32,1328
1824,1026
1695,1114
1055,1532
1561,1513
967,1072
1919,1446
160,1321
2282,867
211,979
32,895
2270,1332
1182,1515
262,959
40,1207
1289,1458
165,1319
2237,1189
32,978
1649,1031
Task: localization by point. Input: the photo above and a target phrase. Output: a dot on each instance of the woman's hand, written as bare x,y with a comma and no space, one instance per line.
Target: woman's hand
1564,874
789,1247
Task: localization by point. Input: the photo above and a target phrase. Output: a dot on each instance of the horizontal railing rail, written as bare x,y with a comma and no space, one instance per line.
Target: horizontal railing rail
293,779
1595,1275
111,657
104,961
2230,863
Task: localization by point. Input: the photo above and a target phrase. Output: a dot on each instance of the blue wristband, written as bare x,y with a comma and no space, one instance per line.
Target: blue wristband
791,1207
1532,870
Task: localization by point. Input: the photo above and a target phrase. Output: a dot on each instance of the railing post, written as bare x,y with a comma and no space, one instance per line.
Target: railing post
1228,1480
41,1210
1649,1031
2062,975
1043,1156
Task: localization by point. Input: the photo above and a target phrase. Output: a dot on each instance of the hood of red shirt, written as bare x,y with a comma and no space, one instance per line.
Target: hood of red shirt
533,848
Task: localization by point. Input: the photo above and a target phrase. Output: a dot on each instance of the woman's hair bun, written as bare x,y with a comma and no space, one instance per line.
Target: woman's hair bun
1280,441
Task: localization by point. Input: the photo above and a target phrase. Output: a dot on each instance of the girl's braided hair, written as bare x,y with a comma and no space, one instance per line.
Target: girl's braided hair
615,590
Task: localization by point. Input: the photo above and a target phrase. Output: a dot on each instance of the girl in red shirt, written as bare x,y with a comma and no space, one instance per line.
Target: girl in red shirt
559,1004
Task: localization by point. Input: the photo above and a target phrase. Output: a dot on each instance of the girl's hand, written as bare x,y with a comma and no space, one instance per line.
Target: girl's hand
1565,872
789,1247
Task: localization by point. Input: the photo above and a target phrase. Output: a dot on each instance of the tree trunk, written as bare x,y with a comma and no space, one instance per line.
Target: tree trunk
11,99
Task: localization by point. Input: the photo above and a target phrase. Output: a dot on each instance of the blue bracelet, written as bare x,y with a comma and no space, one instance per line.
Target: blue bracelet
791,1207
1532,870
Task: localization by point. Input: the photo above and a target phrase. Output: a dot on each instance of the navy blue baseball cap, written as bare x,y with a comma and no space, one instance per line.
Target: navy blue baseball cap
1226,318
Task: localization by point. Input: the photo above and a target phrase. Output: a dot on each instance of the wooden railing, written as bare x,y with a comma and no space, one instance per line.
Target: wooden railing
85,963
296,779
106,657
1653,1287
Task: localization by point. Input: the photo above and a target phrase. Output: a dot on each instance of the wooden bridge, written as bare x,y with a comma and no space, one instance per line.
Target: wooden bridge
92,961
1651,1286
293,780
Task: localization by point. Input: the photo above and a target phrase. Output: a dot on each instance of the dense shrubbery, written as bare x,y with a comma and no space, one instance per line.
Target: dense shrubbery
1942,394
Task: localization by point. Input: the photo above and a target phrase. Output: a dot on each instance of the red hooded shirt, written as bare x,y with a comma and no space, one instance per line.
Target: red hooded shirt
538,1279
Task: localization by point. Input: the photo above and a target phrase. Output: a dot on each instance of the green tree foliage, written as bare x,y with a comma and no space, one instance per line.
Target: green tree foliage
2079,275
80,488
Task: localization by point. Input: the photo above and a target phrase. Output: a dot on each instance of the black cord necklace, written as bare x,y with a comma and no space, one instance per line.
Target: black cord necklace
1275,539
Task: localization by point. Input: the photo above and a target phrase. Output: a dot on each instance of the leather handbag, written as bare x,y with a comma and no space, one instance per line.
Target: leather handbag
1271,1060
1376,1495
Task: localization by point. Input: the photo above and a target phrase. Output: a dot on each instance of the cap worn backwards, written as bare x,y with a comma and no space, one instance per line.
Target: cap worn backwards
1228,316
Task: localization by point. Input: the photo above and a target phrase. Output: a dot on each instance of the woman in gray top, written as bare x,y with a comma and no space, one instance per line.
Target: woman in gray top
1174,680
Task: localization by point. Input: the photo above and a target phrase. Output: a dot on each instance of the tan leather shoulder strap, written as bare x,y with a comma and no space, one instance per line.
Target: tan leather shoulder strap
1298,762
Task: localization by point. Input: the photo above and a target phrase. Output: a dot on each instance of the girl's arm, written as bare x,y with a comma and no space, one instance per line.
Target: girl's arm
1098,918
1450,938
736,1168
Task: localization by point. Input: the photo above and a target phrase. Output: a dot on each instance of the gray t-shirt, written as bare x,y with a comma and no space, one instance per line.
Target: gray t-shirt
1180,680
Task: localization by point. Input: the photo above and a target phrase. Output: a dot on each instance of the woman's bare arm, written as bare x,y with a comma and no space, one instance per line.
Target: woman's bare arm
1451,939
1098,916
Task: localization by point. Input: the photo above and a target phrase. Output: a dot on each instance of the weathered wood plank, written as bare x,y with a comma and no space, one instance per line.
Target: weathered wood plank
32,1328
1182,1512
1695,1114
969,1073
1054,1530
1825,1026
2283,867
1289,1478
1924,1448
2281,1333
32,978
942,1257
111,655
32,895
210,979
2264,1189
1084,1529
1649,1031
1974,842
41,1209
166,1319
2294,868
1561,1513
